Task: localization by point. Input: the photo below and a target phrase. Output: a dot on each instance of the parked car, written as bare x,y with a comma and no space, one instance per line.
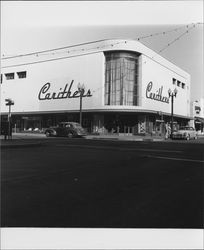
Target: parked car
186,133
68,129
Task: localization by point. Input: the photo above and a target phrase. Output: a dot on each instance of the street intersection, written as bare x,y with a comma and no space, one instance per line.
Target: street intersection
103,184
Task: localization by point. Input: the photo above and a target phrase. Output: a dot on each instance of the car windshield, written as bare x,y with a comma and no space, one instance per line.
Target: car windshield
70,125
76,125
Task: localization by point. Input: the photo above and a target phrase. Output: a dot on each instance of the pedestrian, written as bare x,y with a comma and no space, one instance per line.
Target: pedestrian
167,131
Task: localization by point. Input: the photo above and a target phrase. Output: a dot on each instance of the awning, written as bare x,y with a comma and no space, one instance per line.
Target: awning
199,120
160,121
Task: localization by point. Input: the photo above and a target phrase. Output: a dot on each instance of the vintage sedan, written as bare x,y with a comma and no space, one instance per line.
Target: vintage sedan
66,129
186,133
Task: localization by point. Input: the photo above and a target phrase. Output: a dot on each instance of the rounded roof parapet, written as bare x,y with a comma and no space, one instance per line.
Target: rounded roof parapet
90,48
136,46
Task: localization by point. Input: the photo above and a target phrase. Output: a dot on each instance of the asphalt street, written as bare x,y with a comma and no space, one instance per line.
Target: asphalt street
103,184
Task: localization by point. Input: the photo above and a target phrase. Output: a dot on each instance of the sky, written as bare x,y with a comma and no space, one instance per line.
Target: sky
29,26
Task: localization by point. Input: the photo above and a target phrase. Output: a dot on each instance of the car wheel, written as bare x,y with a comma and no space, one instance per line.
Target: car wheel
187,137
48,134
195,138
70,135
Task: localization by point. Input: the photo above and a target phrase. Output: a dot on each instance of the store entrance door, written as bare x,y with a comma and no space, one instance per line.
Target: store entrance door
160,128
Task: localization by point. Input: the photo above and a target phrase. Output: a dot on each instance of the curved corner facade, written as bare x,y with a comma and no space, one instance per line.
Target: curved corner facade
126,88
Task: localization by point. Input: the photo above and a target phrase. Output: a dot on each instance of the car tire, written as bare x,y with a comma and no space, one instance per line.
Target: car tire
47,134
188,137
70,135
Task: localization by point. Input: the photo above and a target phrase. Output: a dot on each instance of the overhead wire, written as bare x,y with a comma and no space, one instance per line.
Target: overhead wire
100,47
52,51
169,44
161,33
176,39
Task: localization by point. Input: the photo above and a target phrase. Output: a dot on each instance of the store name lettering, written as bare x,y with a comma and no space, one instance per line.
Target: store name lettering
67,92
157,96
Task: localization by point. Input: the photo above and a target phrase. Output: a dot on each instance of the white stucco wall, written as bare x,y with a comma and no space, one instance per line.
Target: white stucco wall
161,78
86,65
87,70
199,111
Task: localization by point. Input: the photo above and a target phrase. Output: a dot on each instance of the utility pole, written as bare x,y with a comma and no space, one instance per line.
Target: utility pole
9,103
81,89
172,94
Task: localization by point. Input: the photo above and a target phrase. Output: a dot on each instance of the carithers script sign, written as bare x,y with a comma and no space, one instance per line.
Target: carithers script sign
157,95
46,94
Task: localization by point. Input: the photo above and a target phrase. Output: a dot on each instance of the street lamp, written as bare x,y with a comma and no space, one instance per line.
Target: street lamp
81,89
9,103
172,94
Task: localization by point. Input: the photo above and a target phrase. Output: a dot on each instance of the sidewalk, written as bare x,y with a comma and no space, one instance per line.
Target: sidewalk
36,139
126,137
22,140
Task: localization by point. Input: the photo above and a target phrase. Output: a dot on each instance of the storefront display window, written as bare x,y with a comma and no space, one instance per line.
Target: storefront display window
121,82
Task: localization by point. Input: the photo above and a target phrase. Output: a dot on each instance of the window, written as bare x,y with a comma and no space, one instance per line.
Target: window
197,109
121,78
183,85
178,83
174,81
21,74
9,76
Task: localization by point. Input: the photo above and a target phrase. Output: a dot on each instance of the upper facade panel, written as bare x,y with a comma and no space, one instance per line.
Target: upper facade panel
117,74
89,48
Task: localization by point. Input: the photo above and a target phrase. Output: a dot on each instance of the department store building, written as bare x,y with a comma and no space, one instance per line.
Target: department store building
198,115
126,88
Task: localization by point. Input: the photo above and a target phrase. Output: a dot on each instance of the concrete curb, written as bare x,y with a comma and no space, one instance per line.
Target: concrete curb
124,139
21,145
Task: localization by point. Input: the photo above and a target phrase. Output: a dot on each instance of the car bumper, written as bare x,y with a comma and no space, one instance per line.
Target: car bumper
179,136
81,135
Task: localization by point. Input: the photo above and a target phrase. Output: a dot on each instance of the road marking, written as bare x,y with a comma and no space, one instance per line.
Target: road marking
119,148
41,175
174,159
157,150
